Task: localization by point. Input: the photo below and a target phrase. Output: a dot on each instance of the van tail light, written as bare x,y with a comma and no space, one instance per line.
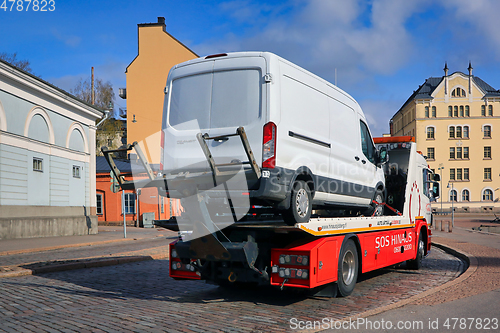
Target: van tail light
269,146
162,145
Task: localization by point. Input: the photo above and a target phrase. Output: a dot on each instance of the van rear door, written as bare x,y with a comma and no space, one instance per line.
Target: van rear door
214,97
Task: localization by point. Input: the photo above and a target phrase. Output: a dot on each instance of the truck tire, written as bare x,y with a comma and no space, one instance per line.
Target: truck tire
376,210
300,206
417,262
348,268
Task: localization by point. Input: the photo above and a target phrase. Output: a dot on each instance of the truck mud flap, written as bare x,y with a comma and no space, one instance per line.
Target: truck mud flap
209,248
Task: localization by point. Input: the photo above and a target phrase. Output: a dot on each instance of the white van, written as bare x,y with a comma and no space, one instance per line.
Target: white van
309,138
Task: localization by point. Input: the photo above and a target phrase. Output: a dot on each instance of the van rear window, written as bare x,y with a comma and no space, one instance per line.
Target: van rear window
216,100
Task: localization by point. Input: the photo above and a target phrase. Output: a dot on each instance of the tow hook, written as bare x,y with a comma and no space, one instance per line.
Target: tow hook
283,284
232,277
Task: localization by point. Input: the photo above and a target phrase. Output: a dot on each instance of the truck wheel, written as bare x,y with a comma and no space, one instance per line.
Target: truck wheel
348,268
376,209
301,205
417,262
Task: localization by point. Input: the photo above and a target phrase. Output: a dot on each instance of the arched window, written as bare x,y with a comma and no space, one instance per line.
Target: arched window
433,112
426,113
450,111
490,110
453,195
451,130
458,92
467,111
466,132
487,131
459,132
465,195
461,110
487,195
483,110
455,111
430,132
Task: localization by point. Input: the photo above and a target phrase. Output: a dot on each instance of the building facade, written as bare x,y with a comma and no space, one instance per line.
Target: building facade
455,120
147,75
110,205
47,159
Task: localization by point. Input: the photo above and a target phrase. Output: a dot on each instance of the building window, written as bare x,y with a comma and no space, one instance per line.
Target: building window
37,164
426,112
467,111
129,203
487,152
483,110
466,173
487,195
465,195
433,112
76,171
430,132
487,131
452,174
458,92
99,204
487,173
459,132
459,174
162,209
490,110
461,110
455,111
430,153
452,132
466,132
459,153
466,153
452,153
453,195
450,111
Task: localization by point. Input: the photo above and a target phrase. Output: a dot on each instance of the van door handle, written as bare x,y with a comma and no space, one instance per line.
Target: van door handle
356,158
363,161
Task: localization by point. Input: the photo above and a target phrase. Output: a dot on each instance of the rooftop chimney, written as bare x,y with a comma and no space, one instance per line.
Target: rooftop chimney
161,20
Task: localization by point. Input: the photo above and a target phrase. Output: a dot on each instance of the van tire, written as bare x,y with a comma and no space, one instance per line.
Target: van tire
348,268
300,205
376,210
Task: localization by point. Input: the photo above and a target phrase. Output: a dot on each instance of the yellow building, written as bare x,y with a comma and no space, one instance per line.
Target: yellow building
455,120
146,79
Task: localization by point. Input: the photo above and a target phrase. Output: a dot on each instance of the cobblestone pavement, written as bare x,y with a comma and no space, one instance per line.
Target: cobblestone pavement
101,250
141,297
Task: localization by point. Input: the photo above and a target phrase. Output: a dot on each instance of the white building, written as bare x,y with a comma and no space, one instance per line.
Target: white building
47,159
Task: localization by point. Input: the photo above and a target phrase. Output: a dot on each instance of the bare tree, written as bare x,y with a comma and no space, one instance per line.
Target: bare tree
104,95
11,58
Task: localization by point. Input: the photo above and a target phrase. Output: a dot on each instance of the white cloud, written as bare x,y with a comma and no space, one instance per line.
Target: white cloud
72,41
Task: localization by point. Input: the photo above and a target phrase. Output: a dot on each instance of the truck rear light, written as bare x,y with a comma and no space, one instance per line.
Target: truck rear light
269,146
179,270
293,273
162,145
286,259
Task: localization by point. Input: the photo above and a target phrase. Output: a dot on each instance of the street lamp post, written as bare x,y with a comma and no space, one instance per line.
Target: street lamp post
441,167
452,209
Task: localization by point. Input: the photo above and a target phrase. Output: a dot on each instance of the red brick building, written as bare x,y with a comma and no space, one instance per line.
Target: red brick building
137,202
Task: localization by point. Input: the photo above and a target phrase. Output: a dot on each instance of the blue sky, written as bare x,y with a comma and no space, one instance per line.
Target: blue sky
382,50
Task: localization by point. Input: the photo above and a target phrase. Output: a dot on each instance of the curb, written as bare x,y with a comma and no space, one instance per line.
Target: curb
91,263
57,247
471,269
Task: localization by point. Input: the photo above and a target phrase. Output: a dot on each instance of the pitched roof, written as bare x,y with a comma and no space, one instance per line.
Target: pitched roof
426,89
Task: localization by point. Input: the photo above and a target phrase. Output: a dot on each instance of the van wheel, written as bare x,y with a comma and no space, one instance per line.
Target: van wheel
300,206
348,268
376,209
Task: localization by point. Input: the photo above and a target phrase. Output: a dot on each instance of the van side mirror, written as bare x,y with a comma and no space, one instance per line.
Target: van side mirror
383,156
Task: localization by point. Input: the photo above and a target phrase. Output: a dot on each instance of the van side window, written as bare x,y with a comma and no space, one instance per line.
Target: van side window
367,143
